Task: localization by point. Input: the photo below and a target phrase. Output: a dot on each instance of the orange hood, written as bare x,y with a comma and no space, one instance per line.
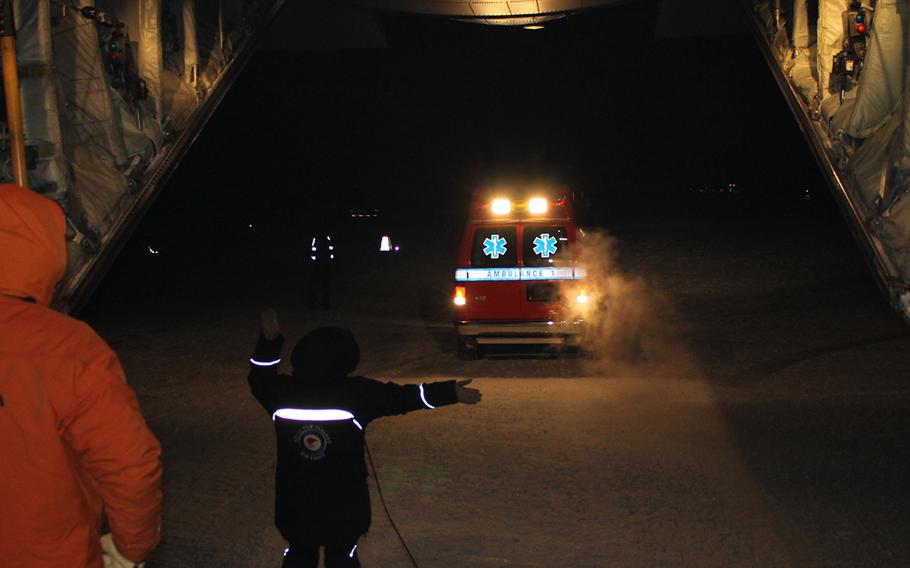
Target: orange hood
32,244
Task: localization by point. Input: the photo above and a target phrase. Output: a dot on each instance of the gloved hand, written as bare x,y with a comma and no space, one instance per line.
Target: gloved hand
465,394
112,556
268,323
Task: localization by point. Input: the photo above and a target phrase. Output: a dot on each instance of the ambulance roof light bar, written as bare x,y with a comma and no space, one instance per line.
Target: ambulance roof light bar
537,205
501,206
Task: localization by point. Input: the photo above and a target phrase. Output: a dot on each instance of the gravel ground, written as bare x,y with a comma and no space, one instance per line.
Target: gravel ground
768,428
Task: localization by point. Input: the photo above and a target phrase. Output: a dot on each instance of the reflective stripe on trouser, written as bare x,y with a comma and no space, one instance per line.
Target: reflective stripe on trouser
307,556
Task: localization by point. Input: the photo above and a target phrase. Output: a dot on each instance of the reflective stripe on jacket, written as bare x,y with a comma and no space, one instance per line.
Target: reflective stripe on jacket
320,478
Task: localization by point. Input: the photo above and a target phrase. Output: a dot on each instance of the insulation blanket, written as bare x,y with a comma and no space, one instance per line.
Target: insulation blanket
37,85
882,78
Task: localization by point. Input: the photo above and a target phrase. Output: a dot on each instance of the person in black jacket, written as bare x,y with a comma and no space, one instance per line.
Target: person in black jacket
318,288
320,413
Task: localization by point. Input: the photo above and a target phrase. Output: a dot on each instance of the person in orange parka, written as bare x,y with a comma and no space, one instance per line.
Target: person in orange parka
73,443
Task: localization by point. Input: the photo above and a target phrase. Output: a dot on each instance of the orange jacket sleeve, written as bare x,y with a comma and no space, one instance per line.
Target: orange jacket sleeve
115,446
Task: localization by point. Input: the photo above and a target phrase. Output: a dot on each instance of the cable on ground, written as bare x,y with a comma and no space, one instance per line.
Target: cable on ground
384,506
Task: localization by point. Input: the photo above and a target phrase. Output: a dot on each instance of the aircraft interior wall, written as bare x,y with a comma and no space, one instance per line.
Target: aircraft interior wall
847,68
108,90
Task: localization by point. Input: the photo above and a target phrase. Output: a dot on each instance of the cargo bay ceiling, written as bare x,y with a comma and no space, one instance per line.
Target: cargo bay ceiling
493,12
114,93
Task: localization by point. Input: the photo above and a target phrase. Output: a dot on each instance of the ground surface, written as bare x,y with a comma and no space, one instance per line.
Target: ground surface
764,421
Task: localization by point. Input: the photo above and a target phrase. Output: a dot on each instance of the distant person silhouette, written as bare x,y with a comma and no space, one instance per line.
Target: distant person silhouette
320,414
320,263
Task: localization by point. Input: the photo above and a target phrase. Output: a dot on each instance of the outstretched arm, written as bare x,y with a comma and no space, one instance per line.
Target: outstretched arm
387,399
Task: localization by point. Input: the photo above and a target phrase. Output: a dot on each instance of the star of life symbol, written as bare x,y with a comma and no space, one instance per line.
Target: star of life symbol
494,246
545,245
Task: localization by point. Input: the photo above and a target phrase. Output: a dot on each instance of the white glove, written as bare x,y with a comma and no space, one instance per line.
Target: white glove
112,556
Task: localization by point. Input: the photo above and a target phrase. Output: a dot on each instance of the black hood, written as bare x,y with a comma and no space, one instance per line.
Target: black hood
325,353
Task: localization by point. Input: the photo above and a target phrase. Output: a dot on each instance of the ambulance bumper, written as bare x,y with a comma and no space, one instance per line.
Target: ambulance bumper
522,332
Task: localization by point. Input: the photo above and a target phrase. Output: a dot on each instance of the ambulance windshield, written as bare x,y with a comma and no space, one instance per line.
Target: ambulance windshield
494,247
545,245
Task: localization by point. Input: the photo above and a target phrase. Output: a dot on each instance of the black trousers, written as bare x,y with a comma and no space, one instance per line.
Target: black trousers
318,286
306,555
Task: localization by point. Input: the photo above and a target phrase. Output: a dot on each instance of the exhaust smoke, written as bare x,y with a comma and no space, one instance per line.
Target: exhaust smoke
628,322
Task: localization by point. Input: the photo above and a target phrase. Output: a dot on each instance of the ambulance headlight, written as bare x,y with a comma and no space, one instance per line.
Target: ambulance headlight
537,205
460,296
501,206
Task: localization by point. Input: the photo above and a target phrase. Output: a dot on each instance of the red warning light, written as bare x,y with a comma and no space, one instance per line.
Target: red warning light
861,28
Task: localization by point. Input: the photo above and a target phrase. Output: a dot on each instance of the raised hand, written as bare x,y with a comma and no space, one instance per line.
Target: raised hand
466,395
268,323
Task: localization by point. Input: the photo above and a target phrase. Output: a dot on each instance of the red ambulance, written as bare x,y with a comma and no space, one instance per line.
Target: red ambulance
516,281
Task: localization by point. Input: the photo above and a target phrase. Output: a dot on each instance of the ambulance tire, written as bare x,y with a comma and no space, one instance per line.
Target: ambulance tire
468,350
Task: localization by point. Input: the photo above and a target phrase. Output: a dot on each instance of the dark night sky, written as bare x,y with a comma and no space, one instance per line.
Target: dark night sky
451,103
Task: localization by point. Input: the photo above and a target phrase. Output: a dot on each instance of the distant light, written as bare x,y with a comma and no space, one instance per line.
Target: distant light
501,206
533,27
397,248
151,250
582,298
251,225
385,244
537,205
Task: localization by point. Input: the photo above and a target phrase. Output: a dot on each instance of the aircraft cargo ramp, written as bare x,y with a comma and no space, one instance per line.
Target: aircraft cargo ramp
113,95
843,71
